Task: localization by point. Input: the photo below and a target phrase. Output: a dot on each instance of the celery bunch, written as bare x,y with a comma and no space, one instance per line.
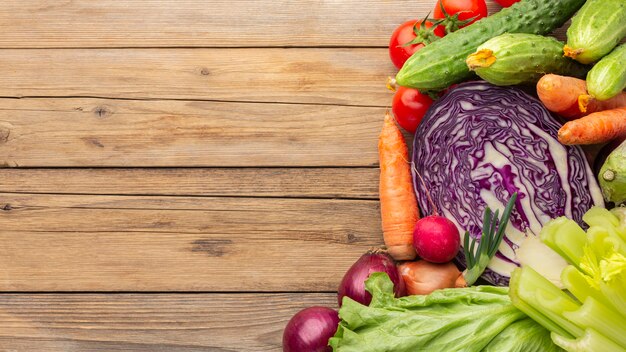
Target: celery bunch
591,314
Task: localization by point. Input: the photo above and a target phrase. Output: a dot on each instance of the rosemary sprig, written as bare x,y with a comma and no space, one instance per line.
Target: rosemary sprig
492,235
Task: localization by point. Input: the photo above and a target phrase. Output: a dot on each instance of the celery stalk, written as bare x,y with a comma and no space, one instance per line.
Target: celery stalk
530,310
615,292
540,293
581,285
594,315
590,341
599,216
565,237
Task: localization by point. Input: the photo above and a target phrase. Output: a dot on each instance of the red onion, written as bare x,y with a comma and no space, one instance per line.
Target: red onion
310,329
353,282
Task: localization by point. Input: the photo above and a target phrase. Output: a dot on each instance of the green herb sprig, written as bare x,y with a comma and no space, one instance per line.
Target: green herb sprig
478,258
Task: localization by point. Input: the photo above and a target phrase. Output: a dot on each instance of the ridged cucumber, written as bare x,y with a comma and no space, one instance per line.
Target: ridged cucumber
442,63
608,77
510,59
596,29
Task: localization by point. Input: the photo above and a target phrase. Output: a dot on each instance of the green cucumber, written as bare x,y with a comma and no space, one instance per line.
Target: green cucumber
608,77
442,63
518,58
612,176
596,29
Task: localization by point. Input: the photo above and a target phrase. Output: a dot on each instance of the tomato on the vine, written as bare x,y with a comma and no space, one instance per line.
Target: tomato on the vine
409,107
506,3
457,14
417,32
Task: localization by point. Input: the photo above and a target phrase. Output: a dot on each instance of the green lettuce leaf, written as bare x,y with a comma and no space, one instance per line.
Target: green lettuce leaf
467,319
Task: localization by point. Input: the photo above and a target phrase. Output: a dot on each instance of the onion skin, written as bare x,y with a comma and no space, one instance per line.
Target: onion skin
422,277
310,329
353,282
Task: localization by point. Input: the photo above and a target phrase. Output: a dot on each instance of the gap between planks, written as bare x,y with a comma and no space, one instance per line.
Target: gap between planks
150,323
132,243
309,183
86,132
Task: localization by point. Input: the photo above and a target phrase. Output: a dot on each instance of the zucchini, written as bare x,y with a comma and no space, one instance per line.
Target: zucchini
518,58
608,77
596,29
442,63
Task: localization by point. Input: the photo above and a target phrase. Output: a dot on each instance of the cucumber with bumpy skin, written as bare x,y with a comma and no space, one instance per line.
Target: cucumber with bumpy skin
608,77
596,29
442,63
510,59
612,177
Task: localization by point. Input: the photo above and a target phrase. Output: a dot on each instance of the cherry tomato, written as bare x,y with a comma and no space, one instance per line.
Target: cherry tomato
406,33
409,107
506,3
459,13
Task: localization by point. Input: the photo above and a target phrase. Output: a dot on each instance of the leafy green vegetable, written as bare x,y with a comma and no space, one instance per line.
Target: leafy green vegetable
592,316
461,319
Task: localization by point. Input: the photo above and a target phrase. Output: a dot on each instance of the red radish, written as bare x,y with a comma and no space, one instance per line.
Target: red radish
436,239
353,282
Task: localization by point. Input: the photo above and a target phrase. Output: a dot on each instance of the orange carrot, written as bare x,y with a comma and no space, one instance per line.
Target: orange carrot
560,94
568,97
398,205
599,127
588,105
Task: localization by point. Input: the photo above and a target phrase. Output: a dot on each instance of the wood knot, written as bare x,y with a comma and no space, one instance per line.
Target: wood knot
7,207
212,247
4,134
102,111
205,71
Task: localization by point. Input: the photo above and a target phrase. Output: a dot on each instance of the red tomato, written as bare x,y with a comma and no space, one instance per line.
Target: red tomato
459,13
506,3
406,33
409,107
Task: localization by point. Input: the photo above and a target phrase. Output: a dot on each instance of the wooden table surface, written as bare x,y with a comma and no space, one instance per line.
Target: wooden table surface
185,175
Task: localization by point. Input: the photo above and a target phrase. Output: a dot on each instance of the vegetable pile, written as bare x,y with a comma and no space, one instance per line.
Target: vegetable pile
592,317
499,235
481,143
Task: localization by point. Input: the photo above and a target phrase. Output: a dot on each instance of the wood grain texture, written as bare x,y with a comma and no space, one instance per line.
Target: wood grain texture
135,243
97,132
149,323
361,183
197,23
298,75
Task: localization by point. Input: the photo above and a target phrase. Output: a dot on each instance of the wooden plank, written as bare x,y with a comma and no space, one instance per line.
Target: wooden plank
149,323
361,183
196,23
299,75
96,132
156,243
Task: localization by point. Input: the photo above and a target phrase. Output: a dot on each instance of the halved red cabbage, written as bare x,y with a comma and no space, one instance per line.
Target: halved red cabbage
479,144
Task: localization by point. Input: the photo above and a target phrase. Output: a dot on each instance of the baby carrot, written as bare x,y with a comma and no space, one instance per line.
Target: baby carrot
587,104
560,94
599,127
398,205
568,97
